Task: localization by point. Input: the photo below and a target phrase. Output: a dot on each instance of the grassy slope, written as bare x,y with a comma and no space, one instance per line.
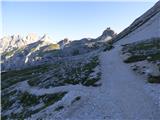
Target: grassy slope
146,50
49,75
142,50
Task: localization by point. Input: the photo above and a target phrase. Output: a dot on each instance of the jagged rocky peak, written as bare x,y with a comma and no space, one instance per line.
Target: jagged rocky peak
107,34
8,43
15,41
15,37
63,42
46,38
32,37
66,40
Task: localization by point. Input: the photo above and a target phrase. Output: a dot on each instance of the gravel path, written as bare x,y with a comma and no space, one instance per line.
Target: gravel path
127,89
121,97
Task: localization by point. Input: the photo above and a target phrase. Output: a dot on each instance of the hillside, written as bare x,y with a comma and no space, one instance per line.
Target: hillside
18,53
88,78
141,28
48,67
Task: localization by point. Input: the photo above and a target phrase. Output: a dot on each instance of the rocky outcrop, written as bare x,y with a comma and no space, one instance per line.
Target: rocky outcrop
24,52
107,35
64,42
85,45
9,43
18,52
145,27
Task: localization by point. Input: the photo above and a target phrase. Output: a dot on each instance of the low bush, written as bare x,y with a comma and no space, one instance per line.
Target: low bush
135,58
154,79
59,108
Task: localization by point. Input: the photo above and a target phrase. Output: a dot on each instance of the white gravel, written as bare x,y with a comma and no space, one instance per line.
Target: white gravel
122,95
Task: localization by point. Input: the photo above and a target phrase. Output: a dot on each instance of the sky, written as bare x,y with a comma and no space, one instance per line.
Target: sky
72,20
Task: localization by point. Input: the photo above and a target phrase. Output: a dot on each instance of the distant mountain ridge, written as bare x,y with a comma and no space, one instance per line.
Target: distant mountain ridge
9,43
18,52
79,80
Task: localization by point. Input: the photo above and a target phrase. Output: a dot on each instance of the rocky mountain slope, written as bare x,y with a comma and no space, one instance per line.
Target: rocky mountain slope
141,28
85,82
44,65
145,58
19,53
18,99
10,43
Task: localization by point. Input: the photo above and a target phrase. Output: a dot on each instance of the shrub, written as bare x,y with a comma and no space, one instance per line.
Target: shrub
154,79
59,108
90,82
27,99
135,58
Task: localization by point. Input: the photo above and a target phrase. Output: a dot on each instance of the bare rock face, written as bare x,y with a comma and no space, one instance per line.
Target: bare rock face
47,39
85,45
31,37
63,42
16,41
107,35
148,18
18,52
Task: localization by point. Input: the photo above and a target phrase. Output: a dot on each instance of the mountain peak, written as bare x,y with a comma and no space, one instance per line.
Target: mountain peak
107,34
47,38
32,36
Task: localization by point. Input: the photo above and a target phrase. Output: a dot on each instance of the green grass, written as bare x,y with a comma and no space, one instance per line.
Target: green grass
55,53
154,79
79,74
71,81
155,57
48,100
36,76
33,49
12,52
12,77
5,101
53,46
135,58
87,69
28,100
33,81
142,50
9,53
90,82
144,45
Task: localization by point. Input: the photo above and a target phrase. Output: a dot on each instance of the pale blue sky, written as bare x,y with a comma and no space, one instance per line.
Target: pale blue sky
74,20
